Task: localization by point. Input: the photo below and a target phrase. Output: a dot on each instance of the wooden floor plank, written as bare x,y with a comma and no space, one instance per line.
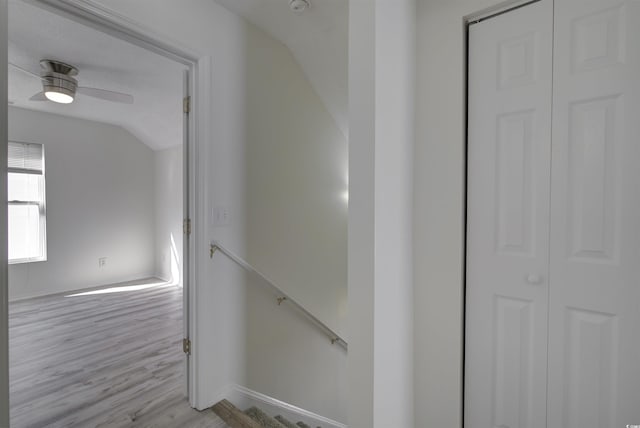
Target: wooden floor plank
100,360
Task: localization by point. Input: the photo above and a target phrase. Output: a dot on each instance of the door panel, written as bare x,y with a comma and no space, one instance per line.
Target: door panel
508,231
594,313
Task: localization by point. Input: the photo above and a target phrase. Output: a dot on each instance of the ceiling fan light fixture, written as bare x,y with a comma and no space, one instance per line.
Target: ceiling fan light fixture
58,97
60,85
58,82
59,88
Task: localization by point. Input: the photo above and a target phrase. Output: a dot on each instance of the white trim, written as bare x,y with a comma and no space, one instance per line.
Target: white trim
199,201
90,13
109,21
501,7
244,398
4,307
27,260
184,279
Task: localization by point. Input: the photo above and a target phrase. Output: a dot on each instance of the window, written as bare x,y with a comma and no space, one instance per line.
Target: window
26,196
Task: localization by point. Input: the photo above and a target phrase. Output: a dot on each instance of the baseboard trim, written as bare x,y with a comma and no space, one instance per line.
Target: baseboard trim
244,398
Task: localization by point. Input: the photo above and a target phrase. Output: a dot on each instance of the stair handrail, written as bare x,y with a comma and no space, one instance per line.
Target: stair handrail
283,297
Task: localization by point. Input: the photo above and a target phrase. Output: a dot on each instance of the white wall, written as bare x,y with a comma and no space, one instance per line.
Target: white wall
381,86
296,184
228,138
290,359
439,209
4,308
296,232
169,214
99,201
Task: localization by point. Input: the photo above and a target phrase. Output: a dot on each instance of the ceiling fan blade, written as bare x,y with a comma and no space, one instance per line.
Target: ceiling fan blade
24,70
38,97
103,94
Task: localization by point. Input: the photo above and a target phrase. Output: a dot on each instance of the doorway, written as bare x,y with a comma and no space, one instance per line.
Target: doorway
129,175
552,217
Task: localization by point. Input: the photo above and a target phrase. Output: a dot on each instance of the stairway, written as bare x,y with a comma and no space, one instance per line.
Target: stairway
253,417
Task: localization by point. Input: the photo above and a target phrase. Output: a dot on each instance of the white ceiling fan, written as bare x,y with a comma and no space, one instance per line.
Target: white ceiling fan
60,85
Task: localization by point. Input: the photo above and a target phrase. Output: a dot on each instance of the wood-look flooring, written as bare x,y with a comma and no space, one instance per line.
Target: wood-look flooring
100,360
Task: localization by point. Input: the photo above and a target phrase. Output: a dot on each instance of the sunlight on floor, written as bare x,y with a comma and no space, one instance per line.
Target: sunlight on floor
124,288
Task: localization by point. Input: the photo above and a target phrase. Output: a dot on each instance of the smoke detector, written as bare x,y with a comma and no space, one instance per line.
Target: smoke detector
299,6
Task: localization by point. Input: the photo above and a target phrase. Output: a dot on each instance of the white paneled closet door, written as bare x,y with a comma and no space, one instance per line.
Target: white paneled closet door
594,335
510,87
553,239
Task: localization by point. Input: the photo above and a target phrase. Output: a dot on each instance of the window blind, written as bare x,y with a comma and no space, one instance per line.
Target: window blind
25,158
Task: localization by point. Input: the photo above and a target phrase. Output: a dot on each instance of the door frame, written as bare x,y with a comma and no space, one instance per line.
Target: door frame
198,67
474,18
4,292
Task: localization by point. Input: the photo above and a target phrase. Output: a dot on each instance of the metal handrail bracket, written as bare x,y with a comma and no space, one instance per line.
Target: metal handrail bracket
282,297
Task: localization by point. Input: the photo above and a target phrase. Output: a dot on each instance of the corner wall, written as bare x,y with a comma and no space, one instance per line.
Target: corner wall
169,214
439,200
99,202
382,122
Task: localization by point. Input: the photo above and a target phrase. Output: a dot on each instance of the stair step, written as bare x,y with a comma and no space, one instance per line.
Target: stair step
253,417
262,418
233,416
284,421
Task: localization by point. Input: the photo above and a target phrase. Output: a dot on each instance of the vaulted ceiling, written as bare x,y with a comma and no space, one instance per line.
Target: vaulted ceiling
104,62
318,39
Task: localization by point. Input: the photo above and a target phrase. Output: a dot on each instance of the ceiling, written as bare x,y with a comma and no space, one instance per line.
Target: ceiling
318,39
104,62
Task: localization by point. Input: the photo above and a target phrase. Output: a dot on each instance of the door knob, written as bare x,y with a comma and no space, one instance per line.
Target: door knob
534,279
